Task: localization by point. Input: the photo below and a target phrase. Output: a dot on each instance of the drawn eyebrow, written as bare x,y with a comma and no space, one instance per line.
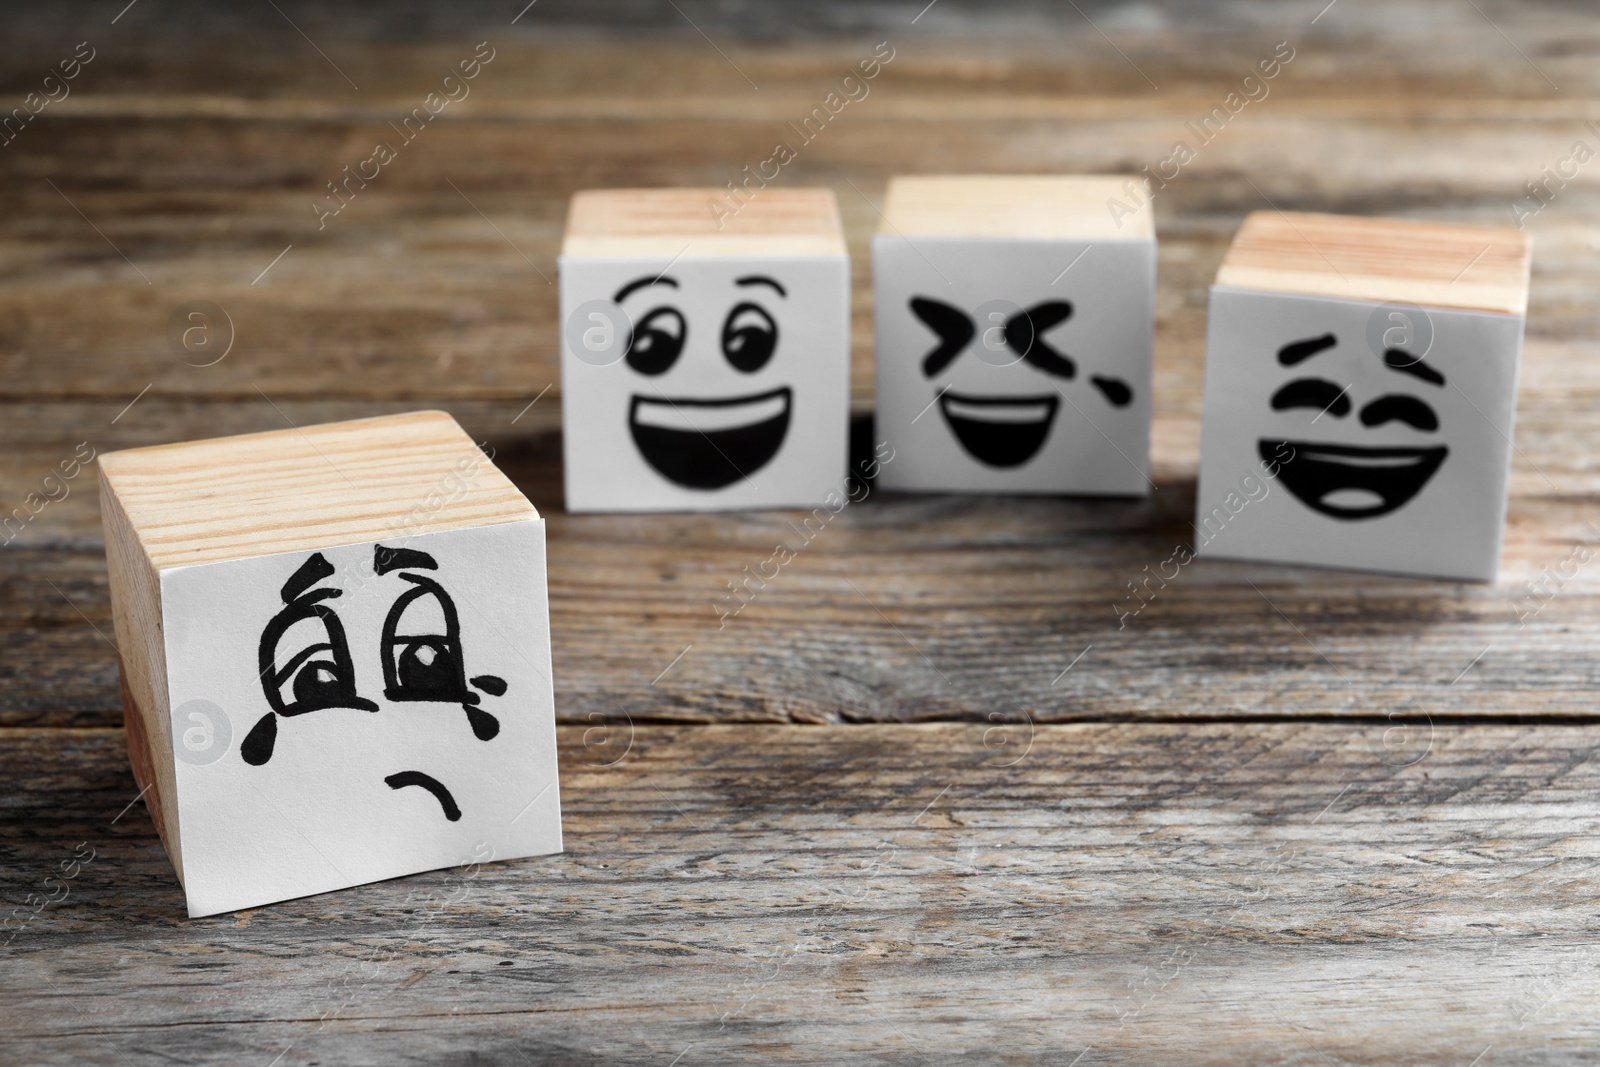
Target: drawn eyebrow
1299,351
385,560
309,574
640,283
761,279
1404,362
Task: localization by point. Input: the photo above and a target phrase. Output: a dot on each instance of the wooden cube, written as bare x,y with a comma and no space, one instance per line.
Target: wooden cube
335,654
705,358
1360,384
1015,317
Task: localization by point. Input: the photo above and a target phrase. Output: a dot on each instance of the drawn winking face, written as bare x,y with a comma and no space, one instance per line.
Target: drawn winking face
1346,481
306,664
1005,430
705,442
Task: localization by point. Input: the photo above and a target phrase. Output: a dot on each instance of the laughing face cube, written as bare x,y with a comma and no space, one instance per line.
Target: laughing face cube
1014,325
336,656
705,356
1360,387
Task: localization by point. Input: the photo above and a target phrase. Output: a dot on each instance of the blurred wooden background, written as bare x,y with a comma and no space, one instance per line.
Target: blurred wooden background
1297,816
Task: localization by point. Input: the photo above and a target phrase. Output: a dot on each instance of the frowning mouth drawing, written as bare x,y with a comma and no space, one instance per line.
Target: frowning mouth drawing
1349,481
447,802
1002,431
709,444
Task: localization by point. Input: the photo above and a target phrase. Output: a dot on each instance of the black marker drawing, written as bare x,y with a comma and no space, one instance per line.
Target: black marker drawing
953,326
707,442
306,664
1024,335
1006,431
315,672
1116,391
1345,481
432,785
422,649
1300,351
712,458
1002,431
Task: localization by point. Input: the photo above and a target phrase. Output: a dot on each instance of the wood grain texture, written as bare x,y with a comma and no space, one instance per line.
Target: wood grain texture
1414,888
1018,205
677,222
1478,268
306,487
911,608
1159,894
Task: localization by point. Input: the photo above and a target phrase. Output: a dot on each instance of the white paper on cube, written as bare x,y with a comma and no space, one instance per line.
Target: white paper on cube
734,394
403,725
1372,484
982,418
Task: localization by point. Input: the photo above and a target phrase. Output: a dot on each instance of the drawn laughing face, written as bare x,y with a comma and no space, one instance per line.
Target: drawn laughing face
306,662
707,441
1006,430
1348,481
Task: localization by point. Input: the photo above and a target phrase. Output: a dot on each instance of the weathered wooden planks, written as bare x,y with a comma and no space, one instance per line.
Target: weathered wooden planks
1177,893
935,607
1299,893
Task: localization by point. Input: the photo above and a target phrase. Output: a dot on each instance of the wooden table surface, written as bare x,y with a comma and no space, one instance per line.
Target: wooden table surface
924,799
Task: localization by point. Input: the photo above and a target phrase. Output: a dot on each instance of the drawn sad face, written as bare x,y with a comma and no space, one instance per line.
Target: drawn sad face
308,663
710,440
1351,481
1006,430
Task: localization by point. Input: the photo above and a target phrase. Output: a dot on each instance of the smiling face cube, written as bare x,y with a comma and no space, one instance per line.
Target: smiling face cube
705,357
1014,323
336,656
1360,388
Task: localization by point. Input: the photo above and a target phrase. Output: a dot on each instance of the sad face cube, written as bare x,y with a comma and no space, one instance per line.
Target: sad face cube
335,656
1360,388
1015,318
705,355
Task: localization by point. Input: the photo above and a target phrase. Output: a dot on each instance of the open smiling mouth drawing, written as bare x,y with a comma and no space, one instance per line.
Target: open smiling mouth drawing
1349,482
1002,431
709,444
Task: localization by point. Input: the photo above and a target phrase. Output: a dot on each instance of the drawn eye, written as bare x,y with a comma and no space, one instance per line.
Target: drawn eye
422,646
307,668
657,341
1025,335
953,326
1318,393
749,337
1401,408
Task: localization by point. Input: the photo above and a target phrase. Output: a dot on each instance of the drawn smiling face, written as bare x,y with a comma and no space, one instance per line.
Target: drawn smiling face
307,664
1005,429
706,442
1347,481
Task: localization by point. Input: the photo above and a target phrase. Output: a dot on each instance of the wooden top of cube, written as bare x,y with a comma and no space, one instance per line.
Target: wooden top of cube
674,222
1016,205
294,490
1478,268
